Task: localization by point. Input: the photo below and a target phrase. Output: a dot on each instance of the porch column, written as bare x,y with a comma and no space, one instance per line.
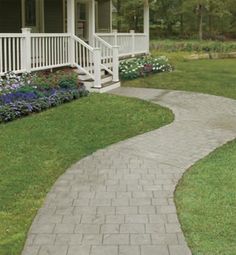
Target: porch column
146,22
71,29
92,22
71,16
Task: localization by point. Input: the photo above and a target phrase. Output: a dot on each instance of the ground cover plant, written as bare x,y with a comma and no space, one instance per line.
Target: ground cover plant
36,150
32,93
143,66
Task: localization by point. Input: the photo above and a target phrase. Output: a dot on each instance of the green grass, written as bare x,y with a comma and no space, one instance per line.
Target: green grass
206,196
216,77
36,150
206,202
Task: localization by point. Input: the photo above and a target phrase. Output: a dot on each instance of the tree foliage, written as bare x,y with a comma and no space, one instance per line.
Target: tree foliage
204,19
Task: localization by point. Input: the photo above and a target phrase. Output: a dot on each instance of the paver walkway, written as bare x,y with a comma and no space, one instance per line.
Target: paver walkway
120,200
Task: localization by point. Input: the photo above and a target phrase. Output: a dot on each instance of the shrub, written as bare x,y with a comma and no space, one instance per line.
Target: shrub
49,79
32,93
192,46
139,67
16,109
68,83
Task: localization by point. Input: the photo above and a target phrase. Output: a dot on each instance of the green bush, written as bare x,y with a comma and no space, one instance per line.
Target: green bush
68,83
193,46
48,80
139,67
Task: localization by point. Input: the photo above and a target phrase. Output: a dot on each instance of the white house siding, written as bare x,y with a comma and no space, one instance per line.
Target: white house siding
10,17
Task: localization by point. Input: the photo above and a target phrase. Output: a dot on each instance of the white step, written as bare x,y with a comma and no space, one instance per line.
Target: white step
89,83
83,76
105,87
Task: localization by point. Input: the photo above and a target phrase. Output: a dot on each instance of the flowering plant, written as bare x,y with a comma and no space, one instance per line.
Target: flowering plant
26,94
139,67
13,82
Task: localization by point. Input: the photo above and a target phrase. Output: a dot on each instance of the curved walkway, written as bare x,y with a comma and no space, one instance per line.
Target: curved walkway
120,200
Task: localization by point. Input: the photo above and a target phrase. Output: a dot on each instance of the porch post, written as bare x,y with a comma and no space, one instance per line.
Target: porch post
71,29
92,22
97,67
132,32
71,17
146,22
26,49
115,63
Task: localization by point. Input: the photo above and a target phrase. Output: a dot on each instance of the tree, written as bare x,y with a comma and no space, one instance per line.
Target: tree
206,8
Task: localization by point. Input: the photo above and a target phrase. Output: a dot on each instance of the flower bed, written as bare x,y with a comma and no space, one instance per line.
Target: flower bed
27,94
139,67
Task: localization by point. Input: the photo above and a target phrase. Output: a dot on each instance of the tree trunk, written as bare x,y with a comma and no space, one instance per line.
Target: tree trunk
200,10
118,15
182,24
210,25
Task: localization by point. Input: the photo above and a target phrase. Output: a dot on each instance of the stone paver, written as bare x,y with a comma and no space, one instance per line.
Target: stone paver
119,201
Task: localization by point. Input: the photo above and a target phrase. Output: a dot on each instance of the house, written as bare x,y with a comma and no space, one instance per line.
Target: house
45,34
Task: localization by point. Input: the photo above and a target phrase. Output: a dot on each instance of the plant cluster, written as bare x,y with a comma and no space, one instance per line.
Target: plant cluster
26,94
140,67
193,46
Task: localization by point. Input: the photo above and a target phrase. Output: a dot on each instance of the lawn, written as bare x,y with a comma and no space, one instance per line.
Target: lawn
36,150
216,77
206,196
206,202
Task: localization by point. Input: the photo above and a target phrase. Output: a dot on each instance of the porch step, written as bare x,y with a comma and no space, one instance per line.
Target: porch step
106,82
105,87
84,76
89,83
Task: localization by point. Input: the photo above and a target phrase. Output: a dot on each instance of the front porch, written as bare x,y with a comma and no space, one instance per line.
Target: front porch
81,37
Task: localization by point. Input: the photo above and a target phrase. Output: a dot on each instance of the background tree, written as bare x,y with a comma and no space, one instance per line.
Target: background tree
204,19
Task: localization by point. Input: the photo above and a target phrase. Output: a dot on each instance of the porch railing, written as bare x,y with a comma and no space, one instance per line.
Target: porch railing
130,44
109,56
49,51
28,52
11,53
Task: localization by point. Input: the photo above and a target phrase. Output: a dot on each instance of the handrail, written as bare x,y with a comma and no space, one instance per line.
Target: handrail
82,42
120,34
10,35
106,53
83,57
96,37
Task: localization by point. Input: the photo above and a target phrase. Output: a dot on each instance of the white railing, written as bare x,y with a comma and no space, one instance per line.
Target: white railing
109,56
49,51
11,53
84,56
130,44
28,52
106,53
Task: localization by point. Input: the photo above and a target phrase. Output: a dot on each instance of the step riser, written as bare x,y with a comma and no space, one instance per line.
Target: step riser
90,84
83,76
105,89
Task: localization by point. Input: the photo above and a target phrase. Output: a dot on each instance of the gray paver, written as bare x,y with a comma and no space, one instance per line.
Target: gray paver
154,250
119,200
104,250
